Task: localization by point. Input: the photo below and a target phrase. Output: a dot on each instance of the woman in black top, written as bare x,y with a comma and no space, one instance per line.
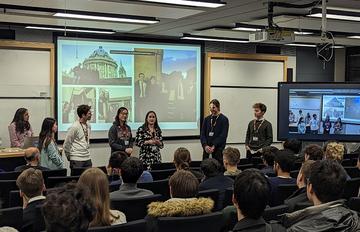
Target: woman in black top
120,137
149,139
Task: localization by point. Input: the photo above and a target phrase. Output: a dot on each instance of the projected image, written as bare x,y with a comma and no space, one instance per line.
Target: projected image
72,98
322,111
110,100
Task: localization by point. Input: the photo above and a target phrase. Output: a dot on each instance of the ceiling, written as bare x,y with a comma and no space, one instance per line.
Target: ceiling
176,20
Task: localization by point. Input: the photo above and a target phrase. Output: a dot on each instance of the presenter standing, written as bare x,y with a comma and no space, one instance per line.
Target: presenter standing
259,132
120,137
20,128
77,141
214,132
149,139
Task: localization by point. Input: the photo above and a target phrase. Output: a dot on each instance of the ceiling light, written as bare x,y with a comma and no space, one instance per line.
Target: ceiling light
354,37
192,37
303,33
70,30
337,16
246,29
209,4
123,19
301,45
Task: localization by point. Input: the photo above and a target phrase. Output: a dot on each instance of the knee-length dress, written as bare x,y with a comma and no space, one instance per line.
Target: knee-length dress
149,154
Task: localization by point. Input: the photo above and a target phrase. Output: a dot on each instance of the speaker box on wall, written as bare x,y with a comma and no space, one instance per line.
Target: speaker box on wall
7,34
290,75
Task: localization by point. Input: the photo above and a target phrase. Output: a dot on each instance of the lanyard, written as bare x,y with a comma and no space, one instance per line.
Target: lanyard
213,124
85,131
256,130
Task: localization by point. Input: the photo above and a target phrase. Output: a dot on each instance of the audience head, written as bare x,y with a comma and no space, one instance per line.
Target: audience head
313,152
231,157
121,115
32,155
151,119
293,145
210,167
214,106
68,209
48,128
259,110
30,183
251,193
326,182
182,158
335,151
283,161
131,170
304,173
21,120
116,159
84,112
268,155
98,184
183,184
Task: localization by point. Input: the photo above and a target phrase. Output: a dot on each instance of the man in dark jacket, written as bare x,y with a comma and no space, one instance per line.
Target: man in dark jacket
251,195
31,185
324,188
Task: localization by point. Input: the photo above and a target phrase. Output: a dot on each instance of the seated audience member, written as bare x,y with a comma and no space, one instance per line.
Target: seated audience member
268,158
184,188
131,170
182,160
68,209
324,189
215,179
31,185
98,184
282,168
313,152
335,151
231,158
299,196
115,161
293,145
32,157
251,195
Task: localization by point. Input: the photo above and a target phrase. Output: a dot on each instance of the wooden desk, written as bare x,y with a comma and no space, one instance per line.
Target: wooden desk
10,160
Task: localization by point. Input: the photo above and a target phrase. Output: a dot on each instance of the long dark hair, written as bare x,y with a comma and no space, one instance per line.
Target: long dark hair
117,114
20,124
46,133
156,125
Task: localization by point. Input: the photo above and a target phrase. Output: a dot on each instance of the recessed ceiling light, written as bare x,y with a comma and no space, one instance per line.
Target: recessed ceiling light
301,45
69,30
303,33
354,37
105,18
246,29
209,4
336,16
192,37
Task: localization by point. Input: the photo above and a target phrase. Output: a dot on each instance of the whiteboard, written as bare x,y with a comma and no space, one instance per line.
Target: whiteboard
25,82
238,84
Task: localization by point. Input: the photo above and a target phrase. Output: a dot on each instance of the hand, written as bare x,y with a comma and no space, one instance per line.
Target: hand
208,149
212,149
157,142
247,148
128,150
150,142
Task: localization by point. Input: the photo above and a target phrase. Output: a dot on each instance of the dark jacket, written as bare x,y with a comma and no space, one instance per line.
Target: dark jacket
120,139
264,134
331,216
257,225
29,214
299,196
275,198
220,128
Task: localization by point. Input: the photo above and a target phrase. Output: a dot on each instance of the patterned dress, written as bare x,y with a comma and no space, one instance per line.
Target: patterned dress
149,154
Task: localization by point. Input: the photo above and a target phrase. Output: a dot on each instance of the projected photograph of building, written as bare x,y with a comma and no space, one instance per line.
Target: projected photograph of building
110,100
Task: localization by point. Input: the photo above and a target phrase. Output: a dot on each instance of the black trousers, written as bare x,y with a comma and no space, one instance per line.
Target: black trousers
80,164
250,156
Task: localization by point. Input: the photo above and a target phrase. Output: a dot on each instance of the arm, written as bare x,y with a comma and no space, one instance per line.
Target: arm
131,141
139,140
54,156
247,139
69,139
221,139
269,135
203,133
14,140
112,140
160,138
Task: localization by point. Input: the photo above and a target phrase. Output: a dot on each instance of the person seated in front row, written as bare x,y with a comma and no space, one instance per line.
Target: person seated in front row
68,209
293,145
130,170
96,180
215,179
32,157
329,213
268,158
299,196
335,151
231,158
283,163
184,187
115,161
250,197
182,160
31,185
313,152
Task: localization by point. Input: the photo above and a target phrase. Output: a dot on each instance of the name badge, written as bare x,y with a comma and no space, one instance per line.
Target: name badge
211,134
126,142
255,138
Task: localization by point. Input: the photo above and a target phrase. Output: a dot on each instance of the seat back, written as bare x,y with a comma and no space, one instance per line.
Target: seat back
60,180
9,175
5,187
134,226
285,190
79,171
275,213
294,173
157,187
195,164
353,172
162,174
162,166
135,208
208,222
211,193
351,188
53,173
228,197
243,167
11,217
354,204
14,199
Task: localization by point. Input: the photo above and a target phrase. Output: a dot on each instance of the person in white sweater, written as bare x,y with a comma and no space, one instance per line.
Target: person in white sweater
77,141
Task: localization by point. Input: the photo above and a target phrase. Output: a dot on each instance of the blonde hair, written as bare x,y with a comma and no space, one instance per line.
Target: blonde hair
335,151
232,155
98,184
